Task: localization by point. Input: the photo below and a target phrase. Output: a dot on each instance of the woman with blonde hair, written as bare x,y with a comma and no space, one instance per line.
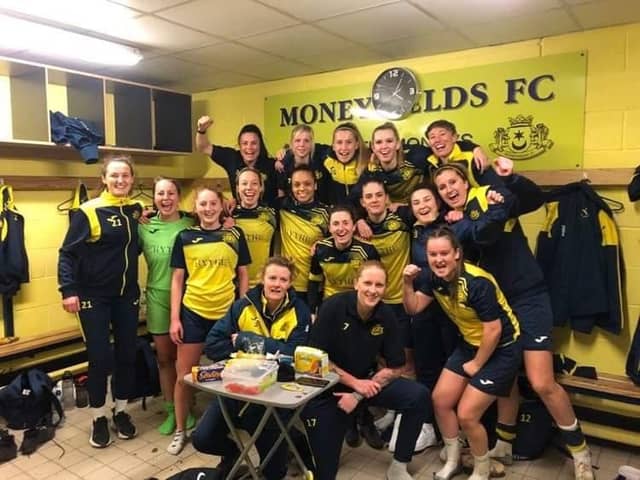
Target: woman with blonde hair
302,151
400,171
207,260
344,164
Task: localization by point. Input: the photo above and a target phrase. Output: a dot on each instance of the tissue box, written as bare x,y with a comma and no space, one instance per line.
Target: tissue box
248,375
311,361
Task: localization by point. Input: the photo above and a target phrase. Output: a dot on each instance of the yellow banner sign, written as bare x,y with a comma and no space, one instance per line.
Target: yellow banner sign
531,111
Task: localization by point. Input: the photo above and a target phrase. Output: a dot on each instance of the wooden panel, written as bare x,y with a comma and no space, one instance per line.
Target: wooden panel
609,177
29,105
19,182
609,384
10,348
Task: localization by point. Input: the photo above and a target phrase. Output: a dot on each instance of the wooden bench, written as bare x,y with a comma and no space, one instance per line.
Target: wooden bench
46,350
616,387
30,344
608,407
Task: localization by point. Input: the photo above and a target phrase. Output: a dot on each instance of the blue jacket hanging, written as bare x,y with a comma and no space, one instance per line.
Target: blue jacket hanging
579,252
81,134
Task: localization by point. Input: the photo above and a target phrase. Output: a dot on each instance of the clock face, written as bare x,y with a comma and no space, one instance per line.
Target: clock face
394,93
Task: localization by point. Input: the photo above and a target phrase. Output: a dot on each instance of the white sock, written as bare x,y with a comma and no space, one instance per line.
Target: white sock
481,467
97,412
398,470
501,449
121,405
452,465
569,428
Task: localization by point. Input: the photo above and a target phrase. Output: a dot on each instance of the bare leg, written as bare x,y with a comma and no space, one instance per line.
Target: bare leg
188,355
167,354
539,367
446,395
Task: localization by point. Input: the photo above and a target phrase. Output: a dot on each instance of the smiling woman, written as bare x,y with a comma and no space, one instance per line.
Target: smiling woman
337,258
280,325
98,277
207,261
486,360
360,317
156,239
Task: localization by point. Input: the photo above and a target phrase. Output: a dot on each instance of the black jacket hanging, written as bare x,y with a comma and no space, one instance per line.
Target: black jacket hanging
634,186
14,265
633,359
579,252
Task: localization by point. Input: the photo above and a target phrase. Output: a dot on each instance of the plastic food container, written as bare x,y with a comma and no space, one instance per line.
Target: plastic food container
311,361
249,376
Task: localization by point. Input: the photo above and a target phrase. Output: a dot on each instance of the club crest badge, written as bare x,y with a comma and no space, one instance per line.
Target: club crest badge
521,140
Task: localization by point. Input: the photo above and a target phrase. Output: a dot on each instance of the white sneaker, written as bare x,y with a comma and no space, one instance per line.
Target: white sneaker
502,452
398,471
427,438
627,472
178,442
385,421
582,467
394,434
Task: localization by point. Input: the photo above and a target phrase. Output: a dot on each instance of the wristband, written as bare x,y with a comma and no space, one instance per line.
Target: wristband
201,132
357,396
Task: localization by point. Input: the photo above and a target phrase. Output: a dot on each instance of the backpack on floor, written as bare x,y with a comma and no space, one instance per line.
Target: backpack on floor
28,401
534,430
147,376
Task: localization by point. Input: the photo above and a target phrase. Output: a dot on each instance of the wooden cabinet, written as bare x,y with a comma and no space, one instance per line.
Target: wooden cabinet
131,116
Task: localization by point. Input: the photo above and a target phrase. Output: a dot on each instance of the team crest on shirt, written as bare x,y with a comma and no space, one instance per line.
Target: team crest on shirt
316,219
355,263
392,225
264,216
474,214
228,237
377,330
406,173
135,215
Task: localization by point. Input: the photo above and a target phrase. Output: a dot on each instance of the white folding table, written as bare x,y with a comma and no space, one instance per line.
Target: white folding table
280,395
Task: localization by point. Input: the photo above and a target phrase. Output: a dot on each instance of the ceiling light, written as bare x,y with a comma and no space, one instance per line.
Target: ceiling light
41,39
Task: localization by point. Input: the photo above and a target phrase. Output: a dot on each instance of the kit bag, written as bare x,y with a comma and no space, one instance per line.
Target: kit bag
28,401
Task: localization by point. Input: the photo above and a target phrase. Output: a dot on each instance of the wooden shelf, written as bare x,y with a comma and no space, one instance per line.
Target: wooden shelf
598,177
131,116
19,146
47,183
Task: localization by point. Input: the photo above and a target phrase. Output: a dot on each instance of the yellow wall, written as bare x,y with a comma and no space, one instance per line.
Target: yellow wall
612,139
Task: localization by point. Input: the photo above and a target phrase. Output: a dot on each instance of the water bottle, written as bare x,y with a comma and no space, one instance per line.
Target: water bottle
142,312
82,395
68,399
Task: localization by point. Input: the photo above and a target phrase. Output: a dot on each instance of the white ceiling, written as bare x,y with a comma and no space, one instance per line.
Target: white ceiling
196,45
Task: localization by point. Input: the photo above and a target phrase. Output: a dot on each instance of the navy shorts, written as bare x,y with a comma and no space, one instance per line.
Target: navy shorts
497,375
536,321
194,327
404,324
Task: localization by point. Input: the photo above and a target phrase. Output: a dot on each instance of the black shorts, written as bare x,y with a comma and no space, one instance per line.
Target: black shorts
404,324
194,327
497,375
536,321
